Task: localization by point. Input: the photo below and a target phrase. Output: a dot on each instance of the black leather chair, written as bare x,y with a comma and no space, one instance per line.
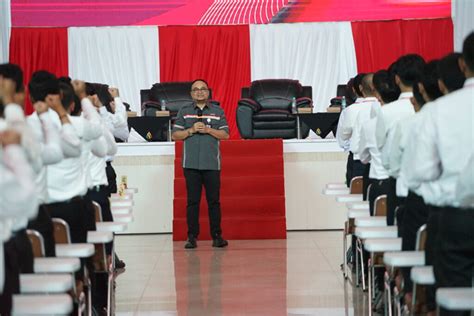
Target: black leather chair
265,110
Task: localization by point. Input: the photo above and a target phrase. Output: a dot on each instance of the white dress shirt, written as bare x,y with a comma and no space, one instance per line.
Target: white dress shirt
345,124
444,144
363,115
369,152
391,113
116,122
465,185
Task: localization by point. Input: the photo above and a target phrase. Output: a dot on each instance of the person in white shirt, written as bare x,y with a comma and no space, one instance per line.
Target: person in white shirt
17,198
465,185
406,71
443,147
345,126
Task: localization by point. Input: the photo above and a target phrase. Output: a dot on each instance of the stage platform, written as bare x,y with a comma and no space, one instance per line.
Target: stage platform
308,165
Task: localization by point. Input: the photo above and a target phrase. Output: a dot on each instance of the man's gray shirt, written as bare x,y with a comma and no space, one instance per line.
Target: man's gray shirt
201,151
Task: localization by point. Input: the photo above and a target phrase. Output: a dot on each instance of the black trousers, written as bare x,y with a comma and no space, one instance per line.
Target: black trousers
378,188
354,168
111,178
12,276
195,180
431,251
392,200
454,262
74,213
44,225
415,215
101,196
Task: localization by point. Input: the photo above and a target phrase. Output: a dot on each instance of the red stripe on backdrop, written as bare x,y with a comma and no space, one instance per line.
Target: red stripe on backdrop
39,49
218,54
380,43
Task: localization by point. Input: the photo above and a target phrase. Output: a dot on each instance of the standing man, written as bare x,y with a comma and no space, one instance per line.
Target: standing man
202,125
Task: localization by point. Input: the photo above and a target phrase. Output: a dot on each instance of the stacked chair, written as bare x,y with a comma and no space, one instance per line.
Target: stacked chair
54,288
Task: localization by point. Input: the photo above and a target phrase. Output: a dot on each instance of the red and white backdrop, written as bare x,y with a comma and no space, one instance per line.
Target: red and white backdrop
227,42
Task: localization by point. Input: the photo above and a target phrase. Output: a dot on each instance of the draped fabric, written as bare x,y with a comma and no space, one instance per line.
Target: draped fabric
123,57
320,55
463,21
5,27
380,43
39,49
218,54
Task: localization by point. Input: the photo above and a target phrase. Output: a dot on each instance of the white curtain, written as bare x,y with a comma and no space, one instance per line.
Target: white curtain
462,11
124,57
321,55
5,27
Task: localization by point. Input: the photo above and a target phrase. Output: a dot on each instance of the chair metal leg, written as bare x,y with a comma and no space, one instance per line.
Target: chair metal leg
388,302
357,264
369,295
344,250
372,271
360,249
413,300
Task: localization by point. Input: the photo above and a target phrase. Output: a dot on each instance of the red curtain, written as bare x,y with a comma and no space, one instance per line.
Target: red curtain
218,54
380,43
39,49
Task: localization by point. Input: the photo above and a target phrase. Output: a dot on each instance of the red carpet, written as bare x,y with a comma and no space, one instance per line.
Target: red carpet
252,192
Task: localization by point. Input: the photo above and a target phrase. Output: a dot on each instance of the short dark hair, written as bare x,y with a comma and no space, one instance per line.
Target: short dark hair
366,87
468,51
385,86
357,83
409,68
418,97
429,79
450,73
104,95
349,92
13,72
90,88
196,80
67,94
41,84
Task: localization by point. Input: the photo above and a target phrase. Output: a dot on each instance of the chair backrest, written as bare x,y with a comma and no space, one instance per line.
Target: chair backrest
275,93
357,185
37,243
380,205
61,231
97,211
341,90
421,235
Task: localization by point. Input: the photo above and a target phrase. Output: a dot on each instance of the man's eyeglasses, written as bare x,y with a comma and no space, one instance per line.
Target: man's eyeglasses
199,90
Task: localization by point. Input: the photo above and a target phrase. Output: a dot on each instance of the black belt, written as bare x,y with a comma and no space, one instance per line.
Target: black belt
98,188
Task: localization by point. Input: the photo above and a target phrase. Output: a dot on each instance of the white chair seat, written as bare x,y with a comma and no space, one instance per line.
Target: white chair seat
360,208
56,265
122,210
354,213
404,258
371,221
95,237
336,186
376,232
34,304
423,275
456,299
364,205
123,218
383,244
349,198
118,197
131,190
45,283
122,203
337,191
74,250
113,227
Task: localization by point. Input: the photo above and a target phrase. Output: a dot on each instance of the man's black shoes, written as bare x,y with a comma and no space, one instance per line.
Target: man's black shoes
191,243
219,242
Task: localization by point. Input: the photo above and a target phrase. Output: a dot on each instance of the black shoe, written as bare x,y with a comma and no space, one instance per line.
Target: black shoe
119,264
219,242
191,244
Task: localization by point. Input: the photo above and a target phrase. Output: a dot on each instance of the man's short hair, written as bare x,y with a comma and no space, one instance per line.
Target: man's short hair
349,93
450,73
468,51
357,83
385,86
366,83
41,84
409,68
67,94
196,80
13,72
429,79
418,97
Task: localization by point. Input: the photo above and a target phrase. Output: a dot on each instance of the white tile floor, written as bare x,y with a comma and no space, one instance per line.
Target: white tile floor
297,276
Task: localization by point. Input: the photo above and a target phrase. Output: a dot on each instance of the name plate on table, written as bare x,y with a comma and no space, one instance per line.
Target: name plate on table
162,113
